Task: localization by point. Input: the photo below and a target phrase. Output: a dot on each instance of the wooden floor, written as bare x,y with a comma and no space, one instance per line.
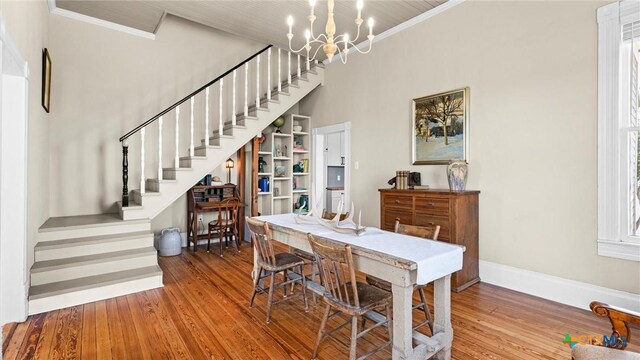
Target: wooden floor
202,312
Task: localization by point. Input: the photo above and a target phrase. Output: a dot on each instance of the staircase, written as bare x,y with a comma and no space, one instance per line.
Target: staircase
81,259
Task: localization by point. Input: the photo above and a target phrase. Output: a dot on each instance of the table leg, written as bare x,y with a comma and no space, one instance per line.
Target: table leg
442,314
402,322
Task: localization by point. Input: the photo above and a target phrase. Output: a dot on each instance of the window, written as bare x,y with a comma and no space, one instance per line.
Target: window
618,126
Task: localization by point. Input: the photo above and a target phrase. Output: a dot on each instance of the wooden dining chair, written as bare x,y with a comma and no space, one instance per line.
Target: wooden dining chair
344,294
327,215
271,263
226,225
426,232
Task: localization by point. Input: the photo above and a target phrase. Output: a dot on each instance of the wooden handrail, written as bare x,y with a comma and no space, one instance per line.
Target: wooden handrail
144,124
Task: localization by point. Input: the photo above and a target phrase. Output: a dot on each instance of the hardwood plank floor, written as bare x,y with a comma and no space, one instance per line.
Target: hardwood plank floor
202,312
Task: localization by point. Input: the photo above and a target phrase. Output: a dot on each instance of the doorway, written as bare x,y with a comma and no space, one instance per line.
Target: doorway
331,159
14,85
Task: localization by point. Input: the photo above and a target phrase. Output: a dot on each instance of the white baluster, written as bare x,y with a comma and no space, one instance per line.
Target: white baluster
307,61
160,148
220,121
191,150
279,73
298,66
176,162
206,117
258,82
246,90
233,106
142,160
289,68
269,74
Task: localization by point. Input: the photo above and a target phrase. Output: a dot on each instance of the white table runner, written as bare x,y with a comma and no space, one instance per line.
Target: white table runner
434,259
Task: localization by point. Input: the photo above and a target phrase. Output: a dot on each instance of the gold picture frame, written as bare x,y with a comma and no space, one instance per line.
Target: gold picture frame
46,80
440,127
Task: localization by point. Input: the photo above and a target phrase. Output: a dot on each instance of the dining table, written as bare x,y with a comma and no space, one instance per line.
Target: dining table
404,261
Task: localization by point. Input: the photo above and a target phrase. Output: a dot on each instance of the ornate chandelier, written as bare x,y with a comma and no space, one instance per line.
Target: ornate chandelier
328,42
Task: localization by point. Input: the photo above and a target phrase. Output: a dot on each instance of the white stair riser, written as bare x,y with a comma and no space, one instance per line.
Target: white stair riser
137,196
107,229
133,213
74,298
91,269
92,248
189,162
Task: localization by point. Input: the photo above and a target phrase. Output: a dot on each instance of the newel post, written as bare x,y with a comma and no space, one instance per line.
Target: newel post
125,174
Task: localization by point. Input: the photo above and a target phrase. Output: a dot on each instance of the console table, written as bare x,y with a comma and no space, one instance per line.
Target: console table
455,211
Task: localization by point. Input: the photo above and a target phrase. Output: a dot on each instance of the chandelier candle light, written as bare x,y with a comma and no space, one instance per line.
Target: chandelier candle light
328,42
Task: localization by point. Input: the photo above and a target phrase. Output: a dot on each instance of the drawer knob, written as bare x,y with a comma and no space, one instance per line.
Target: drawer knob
397,201
430,224
430,204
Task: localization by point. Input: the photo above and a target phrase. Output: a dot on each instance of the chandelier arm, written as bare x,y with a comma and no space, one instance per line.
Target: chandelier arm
295,51
357,34
315,53
363,52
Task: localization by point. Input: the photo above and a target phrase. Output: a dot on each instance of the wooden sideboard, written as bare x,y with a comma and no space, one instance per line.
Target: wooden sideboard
455,211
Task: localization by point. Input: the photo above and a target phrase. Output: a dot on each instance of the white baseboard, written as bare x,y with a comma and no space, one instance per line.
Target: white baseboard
564,291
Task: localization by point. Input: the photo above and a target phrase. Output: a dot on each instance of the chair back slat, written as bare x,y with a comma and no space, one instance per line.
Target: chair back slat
228,210
328,215
337,273
426,232
262,241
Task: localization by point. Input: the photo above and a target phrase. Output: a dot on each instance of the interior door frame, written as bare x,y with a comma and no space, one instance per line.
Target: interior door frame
319,161
14,97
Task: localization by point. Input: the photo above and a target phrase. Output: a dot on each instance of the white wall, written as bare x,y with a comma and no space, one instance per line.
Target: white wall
532,71
27,22
106,83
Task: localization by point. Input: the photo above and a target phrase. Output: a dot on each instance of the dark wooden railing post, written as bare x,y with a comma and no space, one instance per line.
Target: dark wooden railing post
125,174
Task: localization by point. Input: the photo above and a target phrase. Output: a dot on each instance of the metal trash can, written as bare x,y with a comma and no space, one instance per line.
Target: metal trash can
170,241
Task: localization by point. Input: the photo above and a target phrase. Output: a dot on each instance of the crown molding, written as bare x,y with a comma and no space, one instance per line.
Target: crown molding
54,9
405,25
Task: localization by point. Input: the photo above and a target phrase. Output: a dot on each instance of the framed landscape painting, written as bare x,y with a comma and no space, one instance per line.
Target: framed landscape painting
441,127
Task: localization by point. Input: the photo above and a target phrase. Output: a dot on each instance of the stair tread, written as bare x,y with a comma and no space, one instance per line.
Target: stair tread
132,206
56,244
236,126
163,180
246,117
84,221
196,157
177,169
218,136
91,282
40,266
146,192
201,147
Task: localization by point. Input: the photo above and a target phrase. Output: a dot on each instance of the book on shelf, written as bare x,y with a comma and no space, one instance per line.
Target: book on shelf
421,187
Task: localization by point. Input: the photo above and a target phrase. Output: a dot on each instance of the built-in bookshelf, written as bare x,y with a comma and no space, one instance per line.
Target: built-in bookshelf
286,166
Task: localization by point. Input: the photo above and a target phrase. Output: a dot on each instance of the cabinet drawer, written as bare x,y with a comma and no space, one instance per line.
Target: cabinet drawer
430,220
406,217
399,201
432,205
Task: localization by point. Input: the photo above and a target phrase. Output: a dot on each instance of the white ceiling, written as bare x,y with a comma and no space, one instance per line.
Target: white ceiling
260,20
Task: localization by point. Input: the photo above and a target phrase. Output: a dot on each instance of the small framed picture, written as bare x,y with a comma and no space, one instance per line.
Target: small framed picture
46,79
440,126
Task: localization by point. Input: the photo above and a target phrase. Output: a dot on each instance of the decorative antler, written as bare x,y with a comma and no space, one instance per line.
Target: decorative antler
346,226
